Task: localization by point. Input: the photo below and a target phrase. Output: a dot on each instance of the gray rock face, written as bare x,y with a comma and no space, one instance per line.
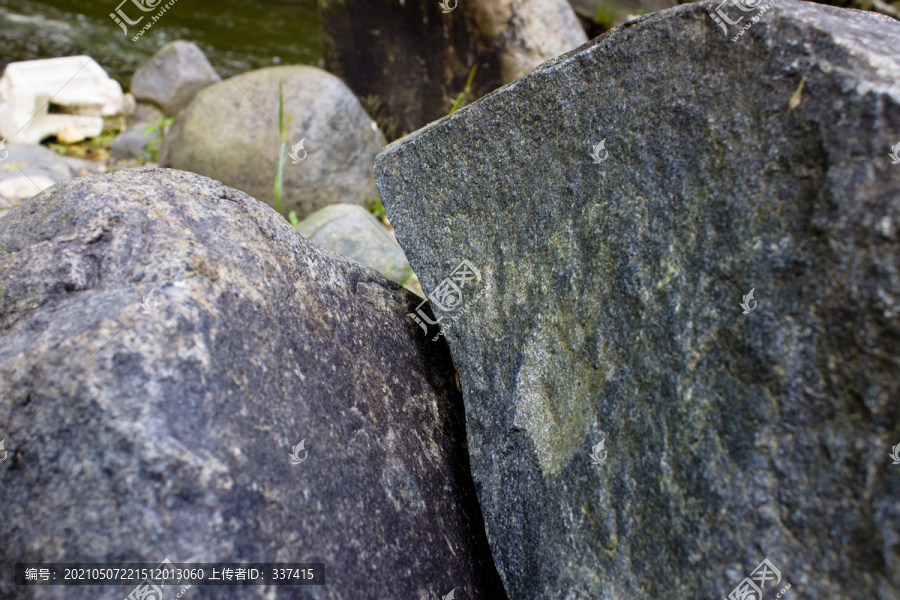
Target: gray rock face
410,60
340,141
132,143
173,76
352,231
34,160
165,341
606,304
27,169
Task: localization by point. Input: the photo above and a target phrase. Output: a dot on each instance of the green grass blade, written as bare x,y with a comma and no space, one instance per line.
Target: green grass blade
465,93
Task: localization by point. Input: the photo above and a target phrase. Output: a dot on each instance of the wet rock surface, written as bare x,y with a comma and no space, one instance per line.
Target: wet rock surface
165,341
606,304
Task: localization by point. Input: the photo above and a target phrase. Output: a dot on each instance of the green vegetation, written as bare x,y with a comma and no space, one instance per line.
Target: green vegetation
606,14
95,148
460,101
375,207
282,127
160,128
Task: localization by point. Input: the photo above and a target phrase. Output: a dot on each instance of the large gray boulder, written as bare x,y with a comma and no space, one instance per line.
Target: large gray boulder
410,60
603,319
171,78
334,163
165,342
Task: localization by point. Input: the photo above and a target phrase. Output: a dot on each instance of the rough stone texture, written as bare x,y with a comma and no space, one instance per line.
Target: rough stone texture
409,61
173,76
610,305
340,140
138,436
352,231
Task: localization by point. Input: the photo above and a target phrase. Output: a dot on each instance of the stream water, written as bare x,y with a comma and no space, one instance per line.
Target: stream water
236,35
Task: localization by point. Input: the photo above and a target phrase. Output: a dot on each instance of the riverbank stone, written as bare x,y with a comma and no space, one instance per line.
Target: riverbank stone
352,231
184,377
173,76
331,141
676,260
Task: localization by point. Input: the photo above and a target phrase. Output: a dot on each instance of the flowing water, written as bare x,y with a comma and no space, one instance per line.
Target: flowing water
236,35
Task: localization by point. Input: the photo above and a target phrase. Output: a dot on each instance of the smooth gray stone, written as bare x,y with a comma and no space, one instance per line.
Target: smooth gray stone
34,160
139,433
352,231
609,304
132,143
147,113
340,141
27,169
172,77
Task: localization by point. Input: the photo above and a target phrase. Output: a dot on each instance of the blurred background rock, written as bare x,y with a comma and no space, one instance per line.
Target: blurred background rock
236,35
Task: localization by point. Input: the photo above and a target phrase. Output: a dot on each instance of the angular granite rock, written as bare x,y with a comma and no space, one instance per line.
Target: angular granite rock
603,319
165,341
328,131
